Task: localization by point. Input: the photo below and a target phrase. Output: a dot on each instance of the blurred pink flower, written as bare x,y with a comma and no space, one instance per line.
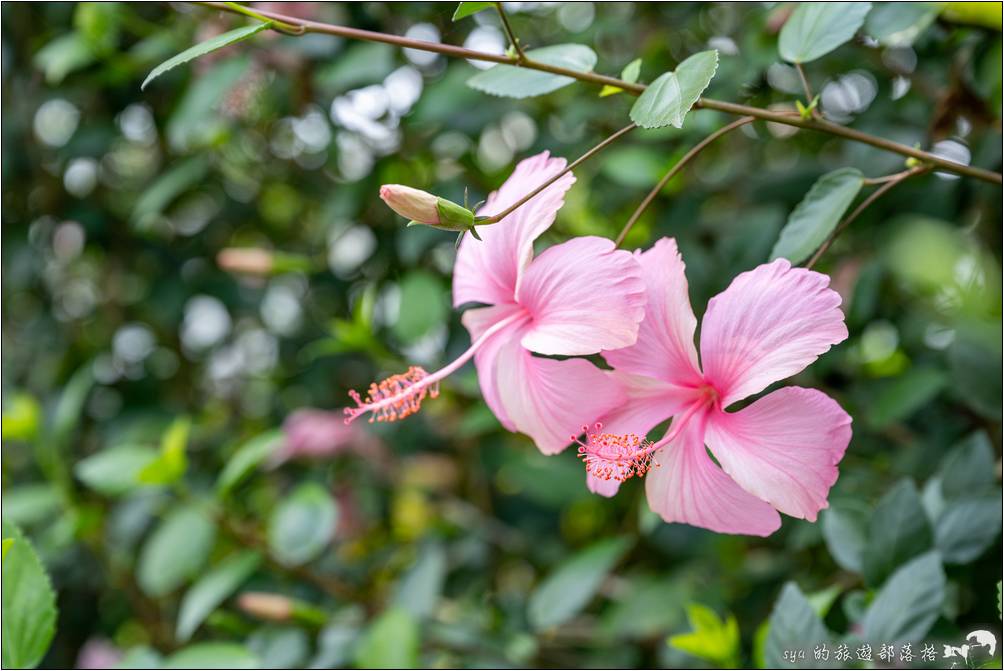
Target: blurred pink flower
780,453
98,653
321,434
576,298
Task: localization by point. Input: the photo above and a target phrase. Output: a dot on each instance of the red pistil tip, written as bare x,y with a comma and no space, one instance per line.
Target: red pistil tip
392,399
610,456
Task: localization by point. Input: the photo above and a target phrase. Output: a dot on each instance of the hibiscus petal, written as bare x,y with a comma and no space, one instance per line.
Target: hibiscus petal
486,270
477,322
549,400
688,487
665,347
769,324
648,402
584,296
602,487
784,448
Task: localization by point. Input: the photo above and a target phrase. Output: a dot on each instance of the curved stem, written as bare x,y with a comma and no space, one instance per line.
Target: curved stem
886,186
805,84
495,218
673,172
820,125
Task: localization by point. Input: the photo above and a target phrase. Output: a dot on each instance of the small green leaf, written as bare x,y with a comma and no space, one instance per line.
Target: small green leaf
898,531
667,100
815,29
391,642
711,638
29,603
794,624
65,54
24,505
898,24
116,470
171,463
168,186
212,589
629,74
176,551
465,9
510,81
421,587
968,470
203,48
422,306
22,418
571,586
211,655
302,525
248,457
908,604
906,394
818,213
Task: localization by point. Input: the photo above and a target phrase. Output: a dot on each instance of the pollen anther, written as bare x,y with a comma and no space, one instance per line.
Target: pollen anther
395,398
610,456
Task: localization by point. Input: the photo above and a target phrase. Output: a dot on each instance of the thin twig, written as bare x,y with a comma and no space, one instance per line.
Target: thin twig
887,186
510,33
495,218
805,84
816,124
673,172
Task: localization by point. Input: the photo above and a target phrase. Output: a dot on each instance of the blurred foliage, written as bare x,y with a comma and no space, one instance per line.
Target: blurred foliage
145,374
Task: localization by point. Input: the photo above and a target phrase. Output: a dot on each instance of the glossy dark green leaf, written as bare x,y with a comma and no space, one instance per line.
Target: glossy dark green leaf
968,470
203,48
303,524
908,603
572,585
667,100
510,81
965,529
29,603
815,217
815,29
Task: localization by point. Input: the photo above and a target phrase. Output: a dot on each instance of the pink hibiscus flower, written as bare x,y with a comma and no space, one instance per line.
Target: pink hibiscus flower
576,298
780,453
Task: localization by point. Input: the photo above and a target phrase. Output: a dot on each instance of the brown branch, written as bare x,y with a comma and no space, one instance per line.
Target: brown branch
820,125
886,186
674,171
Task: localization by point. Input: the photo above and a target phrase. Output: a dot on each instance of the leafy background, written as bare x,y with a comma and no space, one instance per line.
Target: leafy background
145,387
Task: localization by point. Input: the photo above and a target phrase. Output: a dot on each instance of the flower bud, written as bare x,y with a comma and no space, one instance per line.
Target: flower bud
266,606
246,260
411,203
426,209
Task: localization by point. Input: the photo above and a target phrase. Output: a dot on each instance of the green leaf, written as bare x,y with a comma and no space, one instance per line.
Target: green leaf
25,505
283,647
168,186
176,551
815,29
845,528
171,463
968,470
65,54
898,531
965,529
510,81
905,395
908,604
629,74
391,642
711,638
302,525
422,306
29,603
116,470
975,350
898,24
815,217
794,624
465,9
212,589
67,414
570,588
248,457
203,48
211,655
667,100
421,587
